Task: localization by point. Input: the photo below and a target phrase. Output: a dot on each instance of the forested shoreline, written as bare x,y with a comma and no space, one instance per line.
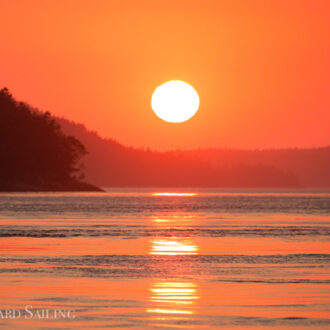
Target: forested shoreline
35,153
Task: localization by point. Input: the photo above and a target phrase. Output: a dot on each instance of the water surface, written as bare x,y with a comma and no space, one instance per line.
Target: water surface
141,259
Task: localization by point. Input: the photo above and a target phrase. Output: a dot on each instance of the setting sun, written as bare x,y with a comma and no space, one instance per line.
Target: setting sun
175,101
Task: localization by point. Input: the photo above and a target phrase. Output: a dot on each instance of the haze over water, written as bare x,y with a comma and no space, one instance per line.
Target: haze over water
203,259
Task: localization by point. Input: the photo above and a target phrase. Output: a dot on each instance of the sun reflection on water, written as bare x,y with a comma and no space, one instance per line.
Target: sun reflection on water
178,220
167,247
173,297
174,300
173,194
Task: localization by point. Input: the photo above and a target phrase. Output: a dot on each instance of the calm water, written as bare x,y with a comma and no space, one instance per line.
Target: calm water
137,259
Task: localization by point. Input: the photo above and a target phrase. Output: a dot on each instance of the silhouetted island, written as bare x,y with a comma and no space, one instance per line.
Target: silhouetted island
35,154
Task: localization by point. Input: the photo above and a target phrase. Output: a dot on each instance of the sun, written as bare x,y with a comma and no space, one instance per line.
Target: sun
175,101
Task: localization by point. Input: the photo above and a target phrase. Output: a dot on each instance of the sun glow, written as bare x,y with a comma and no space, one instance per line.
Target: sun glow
175,101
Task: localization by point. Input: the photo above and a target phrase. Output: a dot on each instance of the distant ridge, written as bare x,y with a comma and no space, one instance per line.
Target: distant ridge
109,163
311,165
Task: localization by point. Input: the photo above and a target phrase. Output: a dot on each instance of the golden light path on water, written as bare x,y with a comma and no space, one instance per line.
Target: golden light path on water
173,194
173,298
167,248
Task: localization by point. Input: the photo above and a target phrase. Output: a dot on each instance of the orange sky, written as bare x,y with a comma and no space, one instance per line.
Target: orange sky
261,68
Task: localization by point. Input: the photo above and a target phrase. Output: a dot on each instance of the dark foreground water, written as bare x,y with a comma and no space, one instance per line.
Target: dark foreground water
200,259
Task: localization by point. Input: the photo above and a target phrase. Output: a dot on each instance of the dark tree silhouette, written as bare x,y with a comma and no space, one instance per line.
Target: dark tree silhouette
35,153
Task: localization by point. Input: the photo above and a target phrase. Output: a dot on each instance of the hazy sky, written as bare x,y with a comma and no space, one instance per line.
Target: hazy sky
261,68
